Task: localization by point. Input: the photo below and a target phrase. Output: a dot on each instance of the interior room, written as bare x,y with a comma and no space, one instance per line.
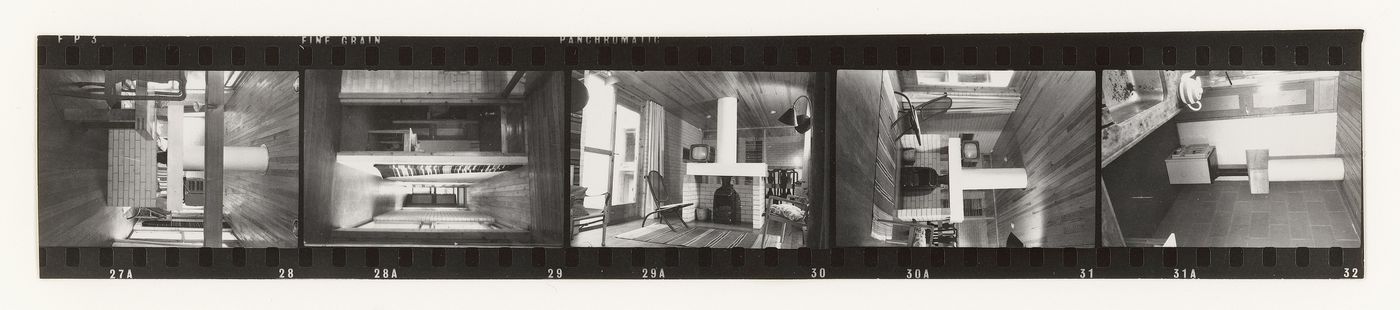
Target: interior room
1231,158
940,158
435,158
696,159
168,158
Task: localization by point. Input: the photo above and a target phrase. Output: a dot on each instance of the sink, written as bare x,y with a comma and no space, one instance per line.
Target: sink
1128,92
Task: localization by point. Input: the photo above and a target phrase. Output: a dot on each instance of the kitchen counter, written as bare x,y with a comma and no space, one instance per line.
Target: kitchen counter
1121,136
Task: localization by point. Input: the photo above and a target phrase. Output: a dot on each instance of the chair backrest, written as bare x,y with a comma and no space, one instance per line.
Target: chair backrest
657,184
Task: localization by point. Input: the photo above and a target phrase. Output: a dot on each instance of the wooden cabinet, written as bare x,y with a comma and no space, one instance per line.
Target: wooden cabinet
1192,169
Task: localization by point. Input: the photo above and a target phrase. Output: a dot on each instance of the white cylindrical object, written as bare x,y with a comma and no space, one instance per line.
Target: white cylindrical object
1306,169
236,158
992,178
727,130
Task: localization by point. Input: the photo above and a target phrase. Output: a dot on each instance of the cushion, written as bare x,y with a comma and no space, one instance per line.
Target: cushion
788,211
576,195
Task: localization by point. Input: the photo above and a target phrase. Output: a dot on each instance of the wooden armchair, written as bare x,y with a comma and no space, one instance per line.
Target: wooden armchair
585,219
769,215
939,232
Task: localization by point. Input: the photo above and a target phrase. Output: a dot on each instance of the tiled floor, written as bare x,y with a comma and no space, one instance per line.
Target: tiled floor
1293,214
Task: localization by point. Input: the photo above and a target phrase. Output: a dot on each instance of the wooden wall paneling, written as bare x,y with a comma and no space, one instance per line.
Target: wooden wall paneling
72,169
863,116
264,110
548,168
214,160
321,131
1349,139
505,197
818,176
1051,134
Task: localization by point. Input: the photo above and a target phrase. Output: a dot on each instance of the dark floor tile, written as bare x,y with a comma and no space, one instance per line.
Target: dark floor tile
1343,234
1339,219
1333,201
1279,235
1297,204
1226,197
1206,195
1306,243
1323,235
1316,210
1236,239
1303,232
1256,242
1220,229
1311,196
1264,206
1258,225
1243,206
1222,215
1214,241
1299,219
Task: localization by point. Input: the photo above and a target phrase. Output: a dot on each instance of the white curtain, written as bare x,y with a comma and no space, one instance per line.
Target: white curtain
653,145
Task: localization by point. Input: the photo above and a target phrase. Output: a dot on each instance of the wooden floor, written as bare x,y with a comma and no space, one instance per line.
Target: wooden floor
72,172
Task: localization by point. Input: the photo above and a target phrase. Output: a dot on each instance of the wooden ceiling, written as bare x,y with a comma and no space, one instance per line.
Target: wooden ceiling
763,96
377,87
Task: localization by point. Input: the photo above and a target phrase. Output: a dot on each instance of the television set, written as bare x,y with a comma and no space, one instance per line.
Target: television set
700,153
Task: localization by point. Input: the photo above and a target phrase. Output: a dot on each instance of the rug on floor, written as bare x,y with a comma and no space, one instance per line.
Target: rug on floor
694,236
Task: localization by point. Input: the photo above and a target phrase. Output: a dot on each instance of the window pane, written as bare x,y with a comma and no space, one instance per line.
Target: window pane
598,114
974,77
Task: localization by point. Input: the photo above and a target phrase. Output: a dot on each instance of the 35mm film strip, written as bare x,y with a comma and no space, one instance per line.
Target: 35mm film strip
1099,155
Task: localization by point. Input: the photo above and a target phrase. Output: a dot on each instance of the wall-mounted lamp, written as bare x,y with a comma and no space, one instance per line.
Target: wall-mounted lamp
802,123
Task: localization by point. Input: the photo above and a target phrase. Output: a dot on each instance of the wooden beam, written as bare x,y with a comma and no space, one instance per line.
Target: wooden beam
514,79
214,160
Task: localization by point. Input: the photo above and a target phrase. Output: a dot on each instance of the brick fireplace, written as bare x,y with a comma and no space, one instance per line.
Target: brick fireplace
701,189
702,179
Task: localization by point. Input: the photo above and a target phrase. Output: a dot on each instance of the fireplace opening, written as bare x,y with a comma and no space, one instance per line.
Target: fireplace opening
726,203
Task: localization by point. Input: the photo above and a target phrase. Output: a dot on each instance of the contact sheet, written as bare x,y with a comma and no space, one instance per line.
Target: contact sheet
1165,155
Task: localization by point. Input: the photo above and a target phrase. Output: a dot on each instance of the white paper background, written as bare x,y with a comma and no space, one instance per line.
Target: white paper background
22,21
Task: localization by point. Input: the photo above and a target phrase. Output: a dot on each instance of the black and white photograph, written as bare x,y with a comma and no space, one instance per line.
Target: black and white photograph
1227,158
948,158
138,158
694,159
434,158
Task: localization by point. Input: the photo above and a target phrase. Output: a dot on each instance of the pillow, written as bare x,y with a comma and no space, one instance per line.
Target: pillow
576,195
788,211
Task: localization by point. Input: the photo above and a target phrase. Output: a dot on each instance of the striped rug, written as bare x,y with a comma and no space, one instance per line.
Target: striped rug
695,237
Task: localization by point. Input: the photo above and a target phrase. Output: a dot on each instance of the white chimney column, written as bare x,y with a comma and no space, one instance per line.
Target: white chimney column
726,130
726,146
